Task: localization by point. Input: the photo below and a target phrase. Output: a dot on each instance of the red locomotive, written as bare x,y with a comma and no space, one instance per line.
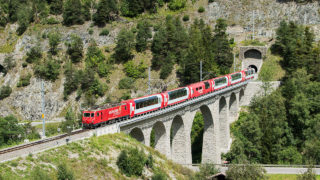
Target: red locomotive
139,106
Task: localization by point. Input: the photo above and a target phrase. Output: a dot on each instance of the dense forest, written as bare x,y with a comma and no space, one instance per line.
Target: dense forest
282,127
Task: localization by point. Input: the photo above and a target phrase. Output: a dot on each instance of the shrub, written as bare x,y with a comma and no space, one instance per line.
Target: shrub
149,161
64,172
34,54
24,80
52,20
308,175
5,91
48,70
186,18
54,40
131,162
90,31
206,170
104,69
125,96
126,83
104,32
39,174
125,44
24,64
75,48
135,71
246,171
159,175
177,4
9,63
201,9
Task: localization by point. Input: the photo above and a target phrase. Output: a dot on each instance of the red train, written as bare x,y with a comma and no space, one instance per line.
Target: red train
136,107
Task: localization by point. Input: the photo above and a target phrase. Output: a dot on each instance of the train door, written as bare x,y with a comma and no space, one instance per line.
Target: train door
131,109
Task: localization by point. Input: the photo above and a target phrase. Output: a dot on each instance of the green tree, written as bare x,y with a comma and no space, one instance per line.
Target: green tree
246,172
48,70
34,54
64,173
72,13
5,92
221,47
107,11
125,45
135,71
75,48
131,162
54,41
70,121
144,33
72,80
9,130
56,6
24,16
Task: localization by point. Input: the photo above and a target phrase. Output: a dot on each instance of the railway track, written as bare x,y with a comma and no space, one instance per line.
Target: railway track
19,147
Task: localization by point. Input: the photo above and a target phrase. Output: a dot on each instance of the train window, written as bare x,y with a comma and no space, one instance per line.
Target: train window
86,115
125,108
97,114
236,76
177,93
207,85
220,81
200,88
92,114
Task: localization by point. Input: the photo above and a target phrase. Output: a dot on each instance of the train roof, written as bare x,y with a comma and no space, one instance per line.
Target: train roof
104,106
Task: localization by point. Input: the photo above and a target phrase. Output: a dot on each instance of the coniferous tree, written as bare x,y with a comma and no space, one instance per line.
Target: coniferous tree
56,7
13,10
24,17
75,48
72,13
125,44
144,33
221,47
107,11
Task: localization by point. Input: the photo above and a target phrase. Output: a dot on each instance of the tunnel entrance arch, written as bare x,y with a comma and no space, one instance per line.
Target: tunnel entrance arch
254,67
252,56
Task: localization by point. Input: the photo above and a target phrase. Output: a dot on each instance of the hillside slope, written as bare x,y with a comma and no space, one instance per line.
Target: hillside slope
93,158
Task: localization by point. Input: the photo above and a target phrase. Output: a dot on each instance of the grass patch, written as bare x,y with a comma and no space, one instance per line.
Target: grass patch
271,69
285,177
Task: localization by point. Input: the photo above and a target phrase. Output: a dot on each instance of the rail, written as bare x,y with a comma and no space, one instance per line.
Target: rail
19,147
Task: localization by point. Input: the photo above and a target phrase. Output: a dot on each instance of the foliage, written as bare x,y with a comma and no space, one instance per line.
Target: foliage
75,48
64,173
24,16
104,32
196,137
9,63
245,172
206,170
201,9
72,13
70,122
150,161
159,175
131,162
107,11
56,7
39,174
34,54
52,20
48,70
72,80
10,130
177,4
126,83
144,33
131,8
5,92
135,71
308,175
186,18
54,41
125,44
24,80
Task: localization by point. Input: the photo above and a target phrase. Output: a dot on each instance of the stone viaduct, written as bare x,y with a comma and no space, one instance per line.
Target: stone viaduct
218,109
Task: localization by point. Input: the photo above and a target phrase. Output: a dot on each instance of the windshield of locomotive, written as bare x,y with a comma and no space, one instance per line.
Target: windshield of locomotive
86,114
